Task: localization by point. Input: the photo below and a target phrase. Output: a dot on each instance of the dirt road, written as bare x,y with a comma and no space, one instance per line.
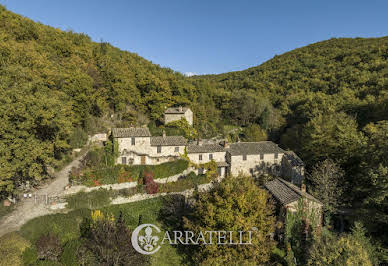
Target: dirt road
27,209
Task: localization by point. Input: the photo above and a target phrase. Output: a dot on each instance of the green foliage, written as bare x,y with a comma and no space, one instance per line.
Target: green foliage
129,173
332,136
236,204
69,255
328,183
254,133
187,182
109,240
30,256
78,138
300,228
182,125
12,246
347,249
91,200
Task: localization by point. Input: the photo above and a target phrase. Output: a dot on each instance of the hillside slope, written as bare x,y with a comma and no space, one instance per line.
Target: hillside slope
52,82
350,73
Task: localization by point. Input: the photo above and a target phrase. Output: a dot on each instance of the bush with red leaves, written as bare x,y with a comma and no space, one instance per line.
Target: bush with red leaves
150,186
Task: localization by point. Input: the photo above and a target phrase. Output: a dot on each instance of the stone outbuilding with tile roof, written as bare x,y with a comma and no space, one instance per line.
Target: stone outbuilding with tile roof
177,113
289,196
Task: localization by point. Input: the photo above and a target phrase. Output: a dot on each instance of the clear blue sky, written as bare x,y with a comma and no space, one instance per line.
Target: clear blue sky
210,36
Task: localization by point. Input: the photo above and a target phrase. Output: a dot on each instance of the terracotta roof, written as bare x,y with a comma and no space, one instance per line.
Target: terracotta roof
248,148
293,158
168,141
176,110
285,192
204,148
130,132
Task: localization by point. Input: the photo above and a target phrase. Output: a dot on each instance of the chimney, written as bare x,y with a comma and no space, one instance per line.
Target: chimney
164,134
303,188
225,144
199,141
180,109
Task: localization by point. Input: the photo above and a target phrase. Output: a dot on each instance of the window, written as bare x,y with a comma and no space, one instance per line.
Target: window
124,160
176,149
244,157
200,157
159,149
210,156
261,156
133,142
276,156
201,171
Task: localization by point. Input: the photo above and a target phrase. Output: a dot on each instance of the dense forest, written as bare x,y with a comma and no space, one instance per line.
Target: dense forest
328,100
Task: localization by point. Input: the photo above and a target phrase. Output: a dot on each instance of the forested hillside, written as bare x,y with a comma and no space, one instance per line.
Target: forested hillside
56,86
331,101
328,100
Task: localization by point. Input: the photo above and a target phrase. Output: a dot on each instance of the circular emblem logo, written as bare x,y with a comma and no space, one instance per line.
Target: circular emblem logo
143,241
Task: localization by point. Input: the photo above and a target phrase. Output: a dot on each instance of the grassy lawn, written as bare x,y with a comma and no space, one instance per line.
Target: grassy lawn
126,173
66,226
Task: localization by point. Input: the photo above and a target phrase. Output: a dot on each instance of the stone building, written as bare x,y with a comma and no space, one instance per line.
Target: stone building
288,196
177,113
254,158
204,153
137,146
293,168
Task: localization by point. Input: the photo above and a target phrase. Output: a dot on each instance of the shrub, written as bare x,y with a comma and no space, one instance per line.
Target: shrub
69,255
78,138
12,246
110,243
91,200
188,182
48,247
150,185
93,158
30,256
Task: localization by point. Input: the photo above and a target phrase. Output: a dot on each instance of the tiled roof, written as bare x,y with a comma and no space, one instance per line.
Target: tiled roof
168,141
222,164
248,148
130,132
293,158
285,192
176,110
204,148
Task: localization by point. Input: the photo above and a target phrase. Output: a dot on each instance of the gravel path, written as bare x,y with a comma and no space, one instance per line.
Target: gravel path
27,209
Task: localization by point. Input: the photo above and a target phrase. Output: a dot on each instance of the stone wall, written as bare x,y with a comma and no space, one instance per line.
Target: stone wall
238,165
188,115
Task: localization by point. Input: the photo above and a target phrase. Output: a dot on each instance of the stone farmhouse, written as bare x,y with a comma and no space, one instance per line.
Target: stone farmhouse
137,146
177,113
